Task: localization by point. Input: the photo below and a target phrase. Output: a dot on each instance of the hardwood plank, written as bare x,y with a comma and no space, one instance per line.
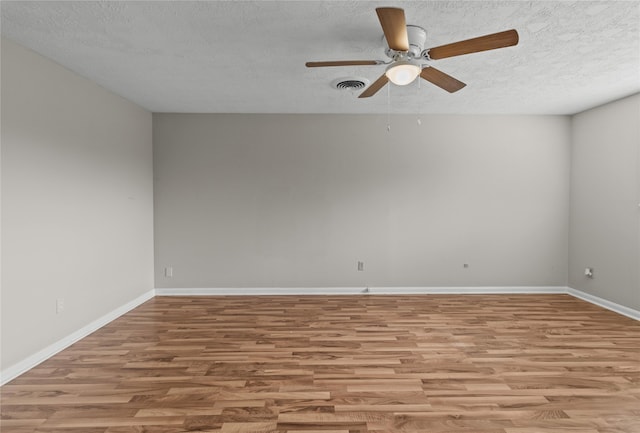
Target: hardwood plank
410,363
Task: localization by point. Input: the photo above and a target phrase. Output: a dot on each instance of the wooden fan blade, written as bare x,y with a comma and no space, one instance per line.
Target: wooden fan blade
442,80
373,88
483,43
343,63
394,27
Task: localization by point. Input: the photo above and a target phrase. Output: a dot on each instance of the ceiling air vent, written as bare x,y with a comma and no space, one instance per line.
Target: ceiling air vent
350,83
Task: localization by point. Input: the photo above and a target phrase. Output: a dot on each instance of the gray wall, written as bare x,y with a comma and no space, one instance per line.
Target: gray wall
605,199
76,202
296,200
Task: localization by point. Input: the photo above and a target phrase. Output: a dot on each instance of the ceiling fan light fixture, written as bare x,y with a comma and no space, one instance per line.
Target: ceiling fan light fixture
403,72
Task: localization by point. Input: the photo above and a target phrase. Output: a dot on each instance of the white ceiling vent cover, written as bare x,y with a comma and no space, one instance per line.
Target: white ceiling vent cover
350,83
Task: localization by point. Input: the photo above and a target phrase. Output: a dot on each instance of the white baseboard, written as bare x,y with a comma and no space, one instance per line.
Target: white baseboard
356,290
16,370
609,305
253,291
484,290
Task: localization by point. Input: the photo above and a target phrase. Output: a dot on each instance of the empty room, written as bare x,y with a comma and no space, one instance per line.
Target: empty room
320,216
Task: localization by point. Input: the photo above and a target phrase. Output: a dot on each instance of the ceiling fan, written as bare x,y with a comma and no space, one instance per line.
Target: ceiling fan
409,58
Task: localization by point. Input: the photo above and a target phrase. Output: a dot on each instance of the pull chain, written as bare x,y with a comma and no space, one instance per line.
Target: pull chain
419,120
389,107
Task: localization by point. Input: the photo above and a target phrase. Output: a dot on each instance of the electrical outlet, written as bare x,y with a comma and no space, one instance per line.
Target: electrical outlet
588,272
361,266
59,305
168,272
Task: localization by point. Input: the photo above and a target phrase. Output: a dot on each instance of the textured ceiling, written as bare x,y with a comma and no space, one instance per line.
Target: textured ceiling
238,56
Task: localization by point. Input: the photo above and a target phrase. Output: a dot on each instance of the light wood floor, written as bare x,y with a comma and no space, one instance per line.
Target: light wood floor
429,363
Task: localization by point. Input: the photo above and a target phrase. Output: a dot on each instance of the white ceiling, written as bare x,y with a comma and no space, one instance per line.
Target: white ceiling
248,57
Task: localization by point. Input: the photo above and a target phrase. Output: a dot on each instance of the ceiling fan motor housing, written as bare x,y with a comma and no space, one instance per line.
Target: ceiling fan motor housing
417,37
